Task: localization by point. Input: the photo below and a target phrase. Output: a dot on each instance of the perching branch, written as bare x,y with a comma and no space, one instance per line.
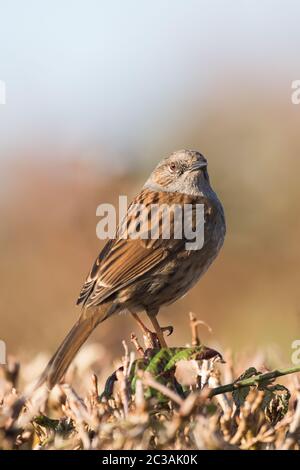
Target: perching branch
254,380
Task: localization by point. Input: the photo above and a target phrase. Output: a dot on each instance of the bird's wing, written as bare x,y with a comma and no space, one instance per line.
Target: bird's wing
123,261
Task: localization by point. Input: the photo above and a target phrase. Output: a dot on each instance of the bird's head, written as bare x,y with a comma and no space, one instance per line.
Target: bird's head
184,171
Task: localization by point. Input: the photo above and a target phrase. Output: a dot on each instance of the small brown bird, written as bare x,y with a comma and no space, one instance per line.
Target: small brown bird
141,274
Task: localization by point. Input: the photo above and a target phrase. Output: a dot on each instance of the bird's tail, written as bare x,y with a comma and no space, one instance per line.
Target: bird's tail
66,352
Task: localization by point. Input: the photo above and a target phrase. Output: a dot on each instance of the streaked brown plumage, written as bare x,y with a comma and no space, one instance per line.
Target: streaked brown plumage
145,274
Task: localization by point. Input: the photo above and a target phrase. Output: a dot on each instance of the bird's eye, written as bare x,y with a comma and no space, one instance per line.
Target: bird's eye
172,167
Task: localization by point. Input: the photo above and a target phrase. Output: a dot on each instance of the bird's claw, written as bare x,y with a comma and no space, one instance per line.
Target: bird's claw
169,329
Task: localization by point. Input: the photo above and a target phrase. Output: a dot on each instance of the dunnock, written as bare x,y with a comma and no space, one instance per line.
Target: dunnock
143,273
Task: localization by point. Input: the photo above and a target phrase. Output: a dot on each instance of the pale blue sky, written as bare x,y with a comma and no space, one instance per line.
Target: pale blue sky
114,72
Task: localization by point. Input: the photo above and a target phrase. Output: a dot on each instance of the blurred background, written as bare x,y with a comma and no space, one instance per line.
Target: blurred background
97,93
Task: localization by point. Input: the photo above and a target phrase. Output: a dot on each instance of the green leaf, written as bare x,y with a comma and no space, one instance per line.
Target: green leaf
161,364
61,426
159,361
240,394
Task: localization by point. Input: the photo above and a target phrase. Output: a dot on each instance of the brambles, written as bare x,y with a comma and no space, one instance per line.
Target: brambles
161,399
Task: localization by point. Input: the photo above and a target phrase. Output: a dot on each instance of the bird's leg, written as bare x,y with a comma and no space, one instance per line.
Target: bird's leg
160,331
151,339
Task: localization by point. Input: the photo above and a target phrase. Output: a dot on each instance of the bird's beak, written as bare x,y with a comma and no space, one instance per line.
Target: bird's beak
198,165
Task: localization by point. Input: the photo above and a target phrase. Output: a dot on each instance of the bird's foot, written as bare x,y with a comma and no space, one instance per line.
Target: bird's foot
156,340
151,340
